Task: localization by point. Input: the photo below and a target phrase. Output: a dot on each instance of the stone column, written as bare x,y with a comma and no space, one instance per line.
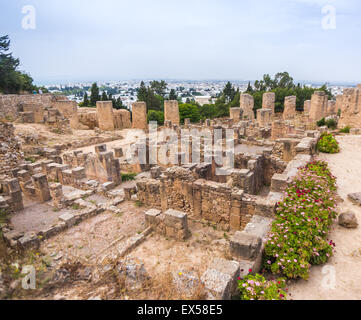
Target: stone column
56,192
290,108
331,108
105,115
307,106
235,114
264,117
139,115
247,105
278,130
318,106
351,108
41,187
268,101
171,111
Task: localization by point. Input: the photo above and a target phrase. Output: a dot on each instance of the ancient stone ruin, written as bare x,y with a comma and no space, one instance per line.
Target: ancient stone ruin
225,174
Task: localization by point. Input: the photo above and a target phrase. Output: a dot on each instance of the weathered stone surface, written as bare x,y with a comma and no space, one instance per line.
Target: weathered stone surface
247,105
217,284
68,218
228,267
348,220
139,115
245,245
268,101
171,112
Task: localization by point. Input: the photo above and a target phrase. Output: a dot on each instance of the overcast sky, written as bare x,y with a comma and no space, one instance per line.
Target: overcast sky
186,39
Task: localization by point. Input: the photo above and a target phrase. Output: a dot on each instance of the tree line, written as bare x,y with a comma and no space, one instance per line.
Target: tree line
90,102
12,80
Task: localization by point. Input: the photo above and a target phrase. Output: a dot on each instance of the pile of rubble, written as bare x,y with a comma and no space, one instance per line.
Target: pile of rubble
10,154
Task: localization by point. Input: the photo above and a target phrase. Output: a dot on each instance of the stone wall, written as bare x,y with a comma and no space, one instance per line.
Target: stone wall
10,154
10,105
172,223
179,189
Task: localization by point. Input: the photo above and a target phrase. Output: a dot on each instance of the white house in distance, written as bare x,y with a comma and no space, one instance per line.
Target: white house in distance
202,100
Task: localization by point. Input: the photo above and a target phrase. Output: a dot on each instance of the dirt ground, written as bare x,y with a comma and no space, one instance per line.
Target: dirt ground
346,166
46,137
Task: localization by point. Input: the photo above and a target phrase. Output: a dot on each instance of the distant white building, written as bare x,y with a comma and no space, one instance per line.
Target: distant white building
202,100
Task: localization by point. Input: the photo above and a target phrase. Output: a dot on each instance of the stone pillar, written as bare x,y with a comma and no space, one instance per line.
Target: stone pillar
236,210
268,101
235,114
307,106
56,192
290,108
15,194
139,115
318,106
41,187
171,111
247,105
264,117
278,130
331,108
118,152
69,109
339,101
351,108
187,123
105,115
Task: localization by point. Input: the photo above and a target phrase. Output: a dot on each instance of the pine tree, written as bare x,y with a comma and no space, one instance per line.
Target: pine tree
142,92
104,96
94,97
172,95
85,100
249,88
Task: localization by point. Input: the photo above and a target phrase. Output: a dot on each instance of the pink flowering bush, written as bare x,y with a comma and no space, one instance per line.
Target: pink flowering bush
256,287
298,238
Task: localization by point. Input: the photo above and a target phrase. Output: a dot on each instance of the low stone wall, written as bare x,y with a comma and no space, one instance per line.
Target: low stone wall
179,189
172,223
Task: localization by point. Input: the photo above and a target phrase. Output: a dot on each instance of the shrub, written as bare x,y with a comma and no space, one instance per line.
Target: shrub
328,144
298,236
128,176
256,287
189,111
345,129
331,124
339,112
321,123
157,116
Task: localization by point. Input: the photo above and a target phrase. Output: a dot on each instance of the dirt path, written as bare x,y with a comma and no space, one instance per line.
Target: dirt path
346,166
